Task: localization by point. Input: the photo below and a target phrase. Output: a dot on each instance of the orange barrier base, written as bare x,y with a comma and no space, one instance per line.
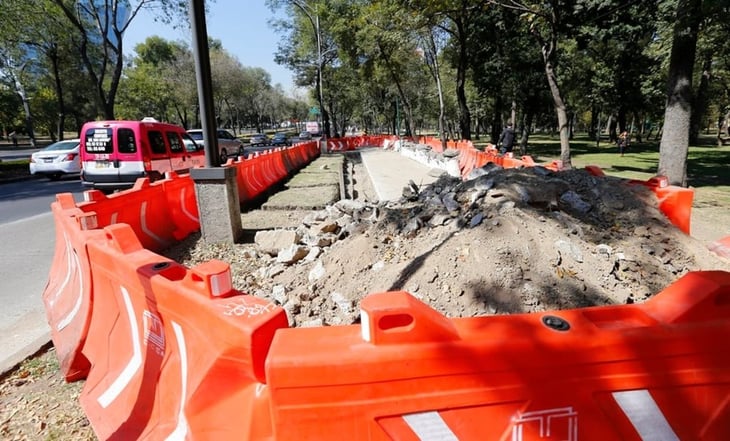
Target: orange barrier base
660,370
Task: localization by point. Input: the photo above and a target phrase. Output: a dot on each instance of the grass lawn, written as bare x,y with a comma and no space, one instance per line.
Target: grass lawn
707,164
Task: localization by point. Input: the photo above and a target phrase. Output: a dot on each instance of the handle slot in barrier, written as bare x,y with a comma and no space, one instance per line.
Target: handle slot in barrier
398,317
396,323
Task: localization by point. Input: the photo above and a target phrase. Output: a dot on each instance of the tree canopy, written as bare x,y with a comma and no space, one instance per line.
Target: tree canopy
458,68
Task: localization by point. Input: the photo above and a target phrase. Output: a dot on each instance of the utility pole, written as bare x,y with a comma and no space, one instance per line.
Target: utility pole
314,20
216,189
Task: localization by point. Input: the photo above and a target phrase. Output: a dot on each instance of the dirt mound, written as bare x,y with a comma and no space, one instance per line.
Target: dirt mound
503,241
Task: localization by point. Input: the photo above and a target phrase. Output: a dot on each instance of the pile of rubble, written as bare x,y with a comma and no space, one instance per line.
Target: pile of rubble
501,241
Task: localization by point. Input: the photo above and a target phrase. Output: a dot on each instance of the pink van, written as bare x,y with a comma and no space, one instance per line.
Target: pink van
114,154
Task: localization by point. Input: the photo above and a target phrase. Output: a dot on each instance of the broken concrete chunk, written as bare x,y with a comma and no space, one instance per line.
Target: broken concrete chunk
292,254
271,241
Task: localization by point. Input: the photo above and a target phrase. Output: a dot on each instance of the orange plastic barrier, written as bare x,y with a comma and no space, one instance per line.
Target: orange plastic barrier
182,203
144,207
232,370
159,214
675,202
68,294
176,353
258,173
655,371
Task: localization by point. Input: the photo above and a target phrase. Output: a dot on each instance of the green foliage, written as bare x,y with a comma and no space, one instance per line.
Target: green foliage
609,58
161,83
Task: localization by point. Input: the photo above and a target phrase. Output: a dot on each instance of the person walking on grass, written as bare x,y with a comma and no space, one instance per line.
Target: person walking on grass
506,139
623,142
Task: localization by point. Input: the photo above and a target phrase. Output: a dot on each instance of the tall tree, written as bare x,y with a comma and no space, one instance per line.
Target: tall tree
102,23
674,145
713,47
460,16
308,39
547,25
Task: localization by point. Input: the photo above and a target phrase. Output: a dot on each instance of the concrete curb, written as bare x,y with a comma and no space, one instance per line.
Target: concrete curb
11,363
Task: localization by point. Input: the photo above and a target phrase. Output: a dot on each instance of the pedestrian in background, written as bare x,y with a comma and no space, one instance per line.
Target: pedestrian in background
506,139
623,142
14,137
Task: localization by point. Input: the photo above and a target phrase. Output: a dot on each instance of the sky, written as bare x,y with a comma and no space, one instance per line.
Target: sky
242,27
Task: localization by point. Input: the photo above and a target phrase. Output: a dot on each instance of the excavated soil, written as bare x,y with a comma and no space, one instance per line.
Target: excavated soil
505,241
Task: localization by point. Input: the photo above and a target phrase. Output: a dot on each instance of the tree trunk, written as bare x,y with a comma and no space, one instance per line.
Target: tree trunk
595,118
560,110
513,113
525,130
700,103
442,115
20,90
61,122
674,146
464,115
497,120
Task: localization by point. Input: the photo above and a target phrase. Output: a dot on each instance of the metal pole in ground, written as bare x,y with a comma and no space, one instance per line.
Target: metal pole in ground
216,189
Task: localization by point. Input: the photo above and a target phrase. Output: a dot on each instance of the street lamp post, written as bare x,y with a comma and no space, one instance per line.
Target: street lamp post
314,20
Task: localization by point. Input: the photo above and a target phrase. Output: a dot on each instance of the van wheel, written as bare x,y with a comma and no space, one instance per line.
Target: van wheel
224,156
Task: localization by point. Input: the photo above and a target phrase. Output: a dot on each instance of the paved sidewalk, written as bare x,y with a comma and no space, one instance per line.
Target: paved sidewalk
390,171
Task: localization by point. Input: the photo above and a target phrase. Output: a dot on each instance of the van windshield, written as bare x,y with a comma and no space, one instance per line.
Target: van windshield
98,140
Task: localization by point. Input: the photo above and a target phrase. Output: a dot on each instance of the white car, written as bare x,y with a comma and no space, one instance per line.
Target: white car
58,159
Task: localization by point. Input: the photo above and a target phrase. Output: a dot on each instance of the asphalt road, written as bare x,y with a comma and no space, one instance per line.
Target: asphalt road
27,240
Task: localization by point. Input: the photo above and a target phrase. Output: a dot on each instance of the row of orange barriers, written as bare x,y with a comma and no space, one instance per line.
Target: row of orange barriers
177,353
260,172
159,214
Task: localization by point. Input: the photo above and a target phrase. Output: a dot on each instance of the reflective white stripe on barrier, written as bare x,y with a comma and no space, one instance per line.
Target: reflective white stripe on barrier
143,224
69,249
184,208
429,426
221,284
365,326
181,430
79,297
122,381
645,415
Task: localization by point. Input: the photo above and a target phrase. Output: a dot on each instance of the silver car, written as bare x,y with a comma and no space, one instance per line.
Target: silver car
228,144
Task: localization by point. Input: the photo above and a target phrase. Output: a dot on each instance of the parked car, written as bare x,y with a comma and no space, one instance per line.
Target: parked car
228,144
280,139
259,139
114,154
58,159
304,136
